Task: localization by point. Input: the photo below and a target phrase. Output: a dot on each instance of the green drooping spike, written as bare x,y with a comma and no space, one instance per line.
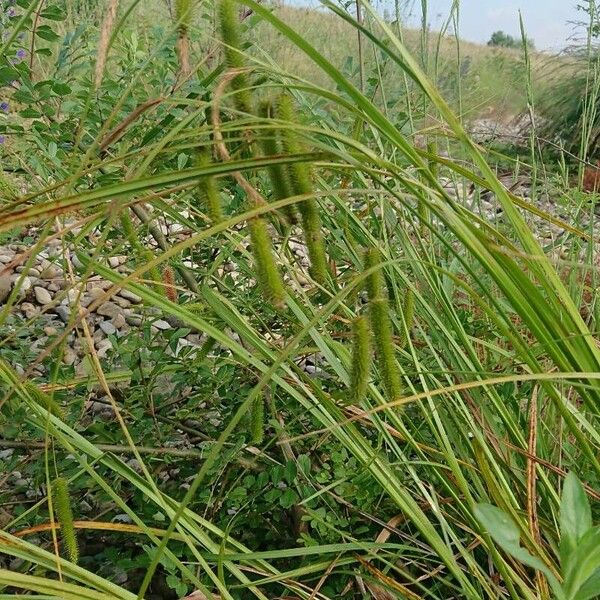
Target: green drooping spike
271,145
62,504
382,327
208,190
257,420
267,272
300,179
361,360
232,41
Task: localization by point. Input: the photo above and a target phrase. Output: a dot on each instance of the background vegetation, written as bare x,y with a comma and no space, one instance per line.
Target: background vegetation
281,318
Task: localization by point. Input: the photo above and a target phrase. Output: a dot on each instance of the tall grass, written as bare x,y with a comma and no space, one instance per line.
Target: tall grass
477,339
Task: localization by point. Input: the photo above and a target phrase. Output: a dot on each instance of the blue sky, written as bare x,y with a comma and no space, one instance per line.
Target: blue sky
546,21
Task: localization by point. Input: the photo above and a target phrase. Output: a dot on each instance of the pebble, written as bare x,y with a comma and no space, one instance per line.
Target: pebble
5,287
107,327
133,298
96,293
161,324
122,302
134,320
69,356
71,296
109,309
103,347
29,310
62,311
119,321
42,295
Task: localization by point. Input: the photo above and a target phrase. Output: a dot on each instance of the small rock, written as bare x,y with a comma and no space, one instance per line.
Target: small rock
50,331
119,321
134,298
103,347
122,302
71,297
134,320
54,287
51,272
5,285
76,262
161,324
62,311
29,310
26,284
42,295
69,357
114,261
109,309
108,328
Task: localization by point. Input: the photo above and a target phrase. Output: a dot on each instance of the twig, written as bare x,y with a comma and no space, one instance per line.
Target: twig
116,448
255,197
117,132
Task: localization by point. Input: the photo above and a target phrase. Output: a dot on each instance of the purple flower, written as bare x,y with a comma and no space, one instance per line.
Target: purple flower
2,139
4,106
21,53
10,12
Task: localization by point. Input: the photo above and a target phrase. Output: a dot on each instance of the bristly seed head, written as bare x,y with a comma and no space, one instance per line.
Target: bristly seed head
361,360
62,505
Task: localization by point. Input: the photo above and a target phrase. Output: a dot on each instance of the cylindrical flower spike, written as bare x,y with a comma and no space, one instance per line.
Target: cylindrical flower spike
277,173
62,505
266,267
361,360
230,34
257,420
168,278
300,178
209,191
382,327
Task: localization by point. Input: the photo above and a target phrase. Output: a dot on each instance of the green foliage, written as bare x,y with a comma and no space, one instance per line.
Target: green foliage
162,435
579,543
503,40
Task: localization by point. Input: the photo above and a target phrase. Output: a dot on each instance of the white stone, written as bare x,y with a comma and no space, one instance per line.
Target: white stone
42,295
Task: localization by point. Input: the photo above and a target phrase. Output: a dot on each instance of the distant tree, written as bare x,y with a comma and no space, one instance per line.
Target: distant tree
501,39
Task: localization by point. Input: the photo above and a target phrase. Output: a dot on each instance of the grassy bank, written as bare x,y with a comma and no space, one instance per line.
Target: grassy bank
265,334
